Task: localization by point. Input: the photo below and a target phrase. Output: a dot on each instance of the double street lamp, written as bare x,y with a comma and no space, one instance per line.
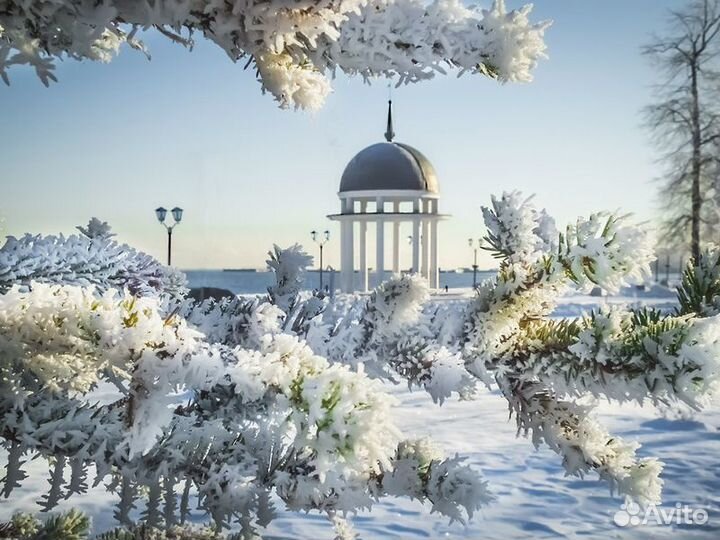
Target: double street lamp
474,245
320,241
177,216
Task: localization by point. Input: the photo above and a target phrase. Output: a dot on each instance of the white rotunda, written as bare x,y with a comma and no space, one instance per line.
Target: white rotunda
388,183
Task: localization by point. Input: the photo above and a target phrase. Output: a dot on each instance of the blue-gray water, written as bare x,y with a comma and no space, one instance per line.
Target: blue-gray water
258,282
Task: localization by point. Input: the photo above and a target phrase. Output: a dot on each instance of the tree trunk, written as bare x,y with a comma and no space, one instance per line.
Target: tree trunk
696,162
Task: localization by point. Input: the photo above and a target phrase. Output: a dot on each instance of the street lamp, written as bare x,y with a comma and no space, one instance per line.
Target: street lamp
320,241
161,213
474,246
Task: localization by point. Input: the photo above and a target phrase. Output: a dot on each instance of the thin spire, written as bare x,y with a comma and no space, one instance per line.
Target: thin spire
389,134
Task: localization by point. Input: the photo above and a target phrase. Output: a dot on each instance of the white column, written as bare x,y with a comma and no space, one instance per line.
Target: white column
343,256
380,251
347,255
363,257
396,240
425,248
434,268
416,244
416,237
363,249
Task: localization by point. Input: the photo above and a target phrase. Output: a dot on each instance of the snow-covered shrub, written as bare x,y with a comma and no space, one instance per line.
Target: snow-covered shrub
215,400
64,338
294,44
232,401
92,258
234,321
506,337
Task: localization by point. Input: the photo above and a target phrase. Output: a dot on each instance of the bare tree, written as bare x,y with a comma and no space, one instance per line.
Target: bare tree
685,120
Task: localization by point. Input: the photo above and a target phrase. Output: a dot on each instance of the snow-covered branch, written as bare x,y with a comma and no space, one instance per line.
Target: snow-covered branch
507,334
583,444
699,291
294,44
234,321
625,355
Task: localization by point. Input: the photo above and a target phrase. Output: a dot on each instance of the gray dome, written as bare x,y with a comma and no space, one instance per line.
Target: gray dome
389,166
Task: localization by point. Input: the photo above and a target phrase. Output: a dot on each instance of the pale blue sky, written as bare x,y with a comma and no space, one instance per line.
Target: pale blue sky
192,129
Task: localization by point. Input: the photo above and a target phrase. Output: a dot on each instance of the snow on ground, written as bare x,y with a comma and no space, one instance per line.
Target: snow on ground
534,498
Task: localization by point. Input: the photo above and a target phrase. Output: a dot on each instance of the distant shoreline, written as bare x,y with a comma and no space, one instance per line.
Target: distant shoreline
263,270
257,281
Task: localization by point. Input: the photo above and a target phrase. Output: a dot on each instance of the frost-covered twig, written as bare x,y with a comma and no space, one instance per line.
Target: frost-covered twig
453,488
393,306
289,266
96,229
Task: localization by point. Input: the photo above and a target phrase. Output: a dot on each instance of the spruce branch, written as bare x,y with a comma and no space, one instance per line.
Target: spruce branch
699,290
583,445
71,525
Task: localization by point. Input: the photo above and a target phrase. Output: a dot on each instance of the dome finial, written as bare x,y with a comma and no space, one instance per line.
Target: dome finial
389,134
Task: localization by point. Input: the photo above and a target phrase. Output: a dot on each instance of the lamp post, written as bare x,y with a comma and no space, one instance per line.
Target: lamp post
177,216
474,246
320,241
